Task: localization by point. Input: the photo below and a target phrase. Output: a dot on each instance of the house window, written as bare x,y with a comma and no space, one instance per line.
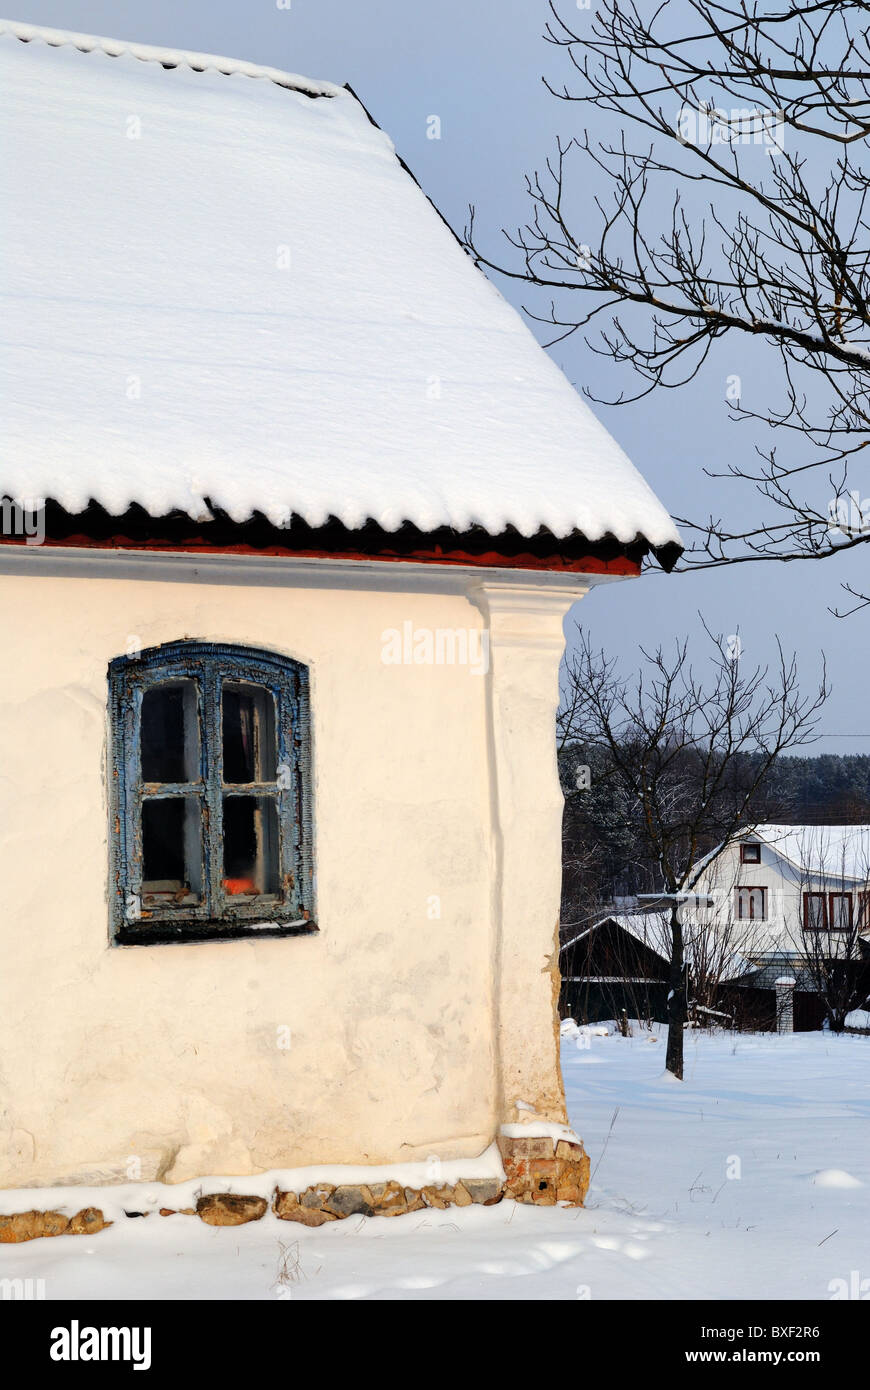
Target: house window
751,904
750,853
815,912
863,909
840,916
211,816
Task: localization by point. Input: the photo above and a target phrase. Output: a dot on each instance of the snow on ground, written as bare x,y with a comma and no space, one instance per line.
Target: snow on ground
750,1180
858,1018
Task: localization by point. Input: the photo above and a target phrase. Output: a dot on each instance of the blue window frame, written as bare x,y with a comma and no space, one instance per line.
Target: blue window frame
211,815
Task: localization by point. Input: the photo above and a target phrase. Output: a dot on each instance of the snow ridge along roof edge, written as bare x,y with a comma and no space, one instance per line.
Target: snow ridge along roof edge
167,57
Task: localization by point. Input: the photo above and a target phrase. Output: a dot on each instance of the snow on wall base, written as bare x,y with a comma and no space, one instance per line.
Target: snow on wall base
541,1168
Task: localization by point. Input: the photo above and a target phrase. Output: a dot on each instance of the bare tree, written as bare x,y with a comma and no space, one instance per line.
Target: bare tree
676,744
737,207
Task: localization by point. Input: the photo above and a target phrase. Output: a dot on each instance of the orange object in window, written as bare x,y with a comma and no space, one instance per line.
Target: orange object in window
239,885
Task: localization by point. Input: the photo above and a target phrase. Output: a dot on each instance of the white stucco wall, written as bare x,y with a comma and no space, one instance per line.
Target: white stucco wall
425,777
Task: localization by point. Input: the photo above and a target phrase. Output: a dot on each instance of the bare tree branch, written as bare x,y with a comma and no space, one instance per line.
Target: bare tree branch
751,126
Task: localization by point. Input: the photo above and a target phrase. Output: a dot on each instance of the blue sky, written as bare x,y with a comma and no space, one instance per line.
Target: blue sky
478,67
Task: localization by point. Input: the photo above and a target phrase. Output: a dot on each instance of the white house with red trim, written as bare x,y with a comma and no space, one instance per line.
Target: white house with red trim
777,887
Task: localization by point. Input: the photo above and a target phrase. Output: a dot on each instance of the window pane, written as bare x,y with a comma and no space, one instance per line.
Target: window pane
250,845
751,904
250,751
841,912
170,735
815,911
171,849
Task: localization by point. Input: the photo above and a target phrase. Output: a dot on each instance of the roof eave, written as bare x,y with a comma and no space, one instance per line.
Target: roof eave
136,529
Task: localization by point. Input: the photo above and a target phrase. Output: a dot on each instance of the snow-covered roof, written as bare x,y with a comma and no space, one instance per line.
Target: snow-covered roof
835,851
222,288
649,928
653,929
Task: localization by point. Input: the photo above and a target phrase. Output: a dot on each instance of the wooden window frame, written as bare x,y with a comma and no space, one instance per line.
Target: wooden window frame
752,888
831,897
220,914
806,922
744,857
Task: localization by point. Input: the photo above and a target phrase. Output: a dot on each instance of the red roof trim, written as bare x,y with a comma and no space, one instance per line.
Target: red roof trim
135,530
620,565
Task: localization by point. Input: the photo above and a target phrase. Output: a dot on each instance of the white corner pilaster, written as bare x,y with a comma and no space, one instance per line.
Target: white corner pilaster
526,639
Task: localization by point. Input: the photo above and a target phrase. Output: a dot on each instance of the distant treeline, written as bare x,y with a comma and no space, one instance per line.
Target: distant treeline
829,789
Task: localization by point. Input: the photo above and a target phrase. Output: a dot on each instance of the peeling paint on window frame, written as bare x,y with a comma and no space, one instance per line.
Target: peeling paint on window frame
220,916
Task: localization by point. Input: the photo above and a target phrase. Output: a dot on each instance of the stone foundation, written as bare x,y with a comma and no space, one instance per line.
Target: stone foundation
538,1170
31,1225
542,1172
227,1209
323,1203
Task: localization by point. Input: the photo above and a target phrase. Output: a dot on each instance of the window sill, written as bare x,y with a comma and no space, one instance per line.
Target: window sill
171,933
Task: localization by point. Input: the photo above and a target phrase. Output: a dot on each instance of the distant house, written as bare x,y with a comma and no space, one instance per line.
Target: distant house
776,886
617,964
775,910
621,964
791,898
294,507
